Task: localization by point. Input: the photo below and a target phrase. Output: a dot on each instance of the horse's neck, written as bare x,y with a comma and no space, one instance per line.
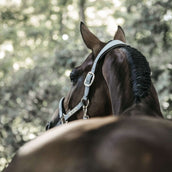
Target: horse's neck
148,106
123,101
121,93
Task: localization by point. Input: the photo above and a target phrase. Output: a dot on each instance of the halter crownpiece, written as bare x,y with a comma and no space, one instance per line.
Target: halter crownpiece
87,83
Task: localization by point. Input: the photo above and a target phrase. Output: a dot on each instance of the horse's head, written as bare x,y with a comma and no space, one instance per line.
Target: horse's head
98,96
113,79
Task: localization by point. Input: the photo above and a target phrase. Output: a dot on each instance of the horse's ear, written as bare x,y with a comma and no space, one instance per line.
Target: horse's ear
120,35
91,41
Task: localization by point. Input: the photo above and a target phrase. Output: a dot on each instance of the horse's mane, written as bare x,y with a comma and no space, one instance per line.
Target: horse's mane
140,73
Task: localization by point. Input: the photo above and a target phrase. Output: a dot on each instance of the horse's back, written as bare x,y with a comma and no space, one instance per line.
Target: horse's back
137,144
107,144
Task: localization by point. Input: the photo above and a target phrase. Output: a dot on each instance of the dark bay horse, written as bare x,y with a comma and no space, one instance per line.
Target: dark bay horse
120,83
107,144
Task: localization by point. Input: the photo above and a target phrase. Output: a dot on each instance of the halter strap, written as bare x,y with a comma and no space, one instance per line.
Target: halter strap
88,82
91,75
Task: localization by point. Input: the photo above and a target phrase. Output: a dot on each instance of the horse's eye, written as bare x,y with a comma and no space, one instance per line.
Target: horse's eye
74,76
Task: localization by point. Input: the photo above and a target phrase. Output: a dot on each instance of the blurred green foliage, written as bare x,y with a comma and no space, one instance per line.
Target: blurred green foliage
40,42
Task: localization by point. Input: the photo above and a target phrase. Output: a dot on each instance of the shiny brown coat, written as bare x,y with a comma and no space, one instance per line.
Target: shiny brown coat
100,145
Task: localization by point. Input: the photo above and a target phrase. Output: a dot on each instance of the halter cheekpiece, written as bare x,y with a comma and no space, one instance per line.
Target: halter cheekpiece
84,103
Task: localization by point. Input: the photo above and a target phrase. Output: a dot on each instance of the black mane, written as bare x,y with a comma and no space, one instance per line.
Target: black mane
140,73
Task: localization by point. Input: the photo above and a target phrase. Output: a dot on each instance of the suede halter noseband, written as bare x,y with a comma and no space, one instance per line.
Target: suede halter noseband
83,104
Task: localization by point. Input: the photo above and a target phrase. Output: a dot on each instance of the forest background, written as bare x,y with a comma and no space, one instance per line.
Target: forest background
40,43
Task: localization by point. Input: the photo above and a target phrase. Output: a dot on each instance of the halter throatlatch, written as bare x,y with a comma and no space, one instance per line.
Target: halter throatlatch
84,103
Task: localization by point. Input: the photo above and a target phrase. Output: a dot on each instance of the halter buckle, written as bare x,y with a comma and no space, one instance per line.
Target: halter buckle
89,79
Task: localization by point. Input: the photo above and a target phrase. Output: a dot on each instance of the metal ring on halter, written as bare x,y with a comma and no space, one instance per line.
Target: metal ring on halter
85,108
85,102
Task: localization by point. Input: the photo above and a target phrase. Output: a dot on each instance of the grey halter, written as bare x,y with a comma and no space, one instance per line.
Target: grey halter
83,104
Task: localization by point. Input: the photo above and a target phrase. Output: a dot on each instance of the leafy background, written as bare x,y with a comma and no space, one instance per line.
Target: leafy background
40,42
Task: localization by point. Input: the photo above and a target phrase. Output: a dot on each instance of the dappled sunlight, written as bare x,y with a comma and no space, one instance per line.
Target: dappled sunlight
7,46
55,36
21,34
10,2
28,63
168,16
28,10
105,17
165,105
65,37
53,17
2,54
67,73
22,132
48,24
117,3
72,12
40,43
16,66
35,21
